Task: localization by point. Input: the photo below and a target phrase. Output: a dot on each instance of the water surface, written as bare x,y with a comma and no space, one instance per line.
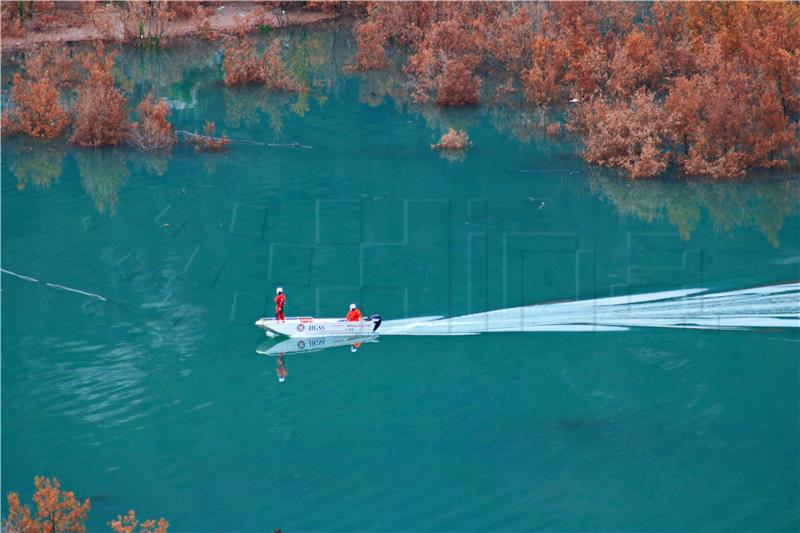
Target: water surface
155,399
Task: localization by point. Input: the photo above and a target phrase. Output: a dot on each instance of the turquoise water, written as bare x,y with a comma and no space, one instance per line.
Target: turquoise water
155,398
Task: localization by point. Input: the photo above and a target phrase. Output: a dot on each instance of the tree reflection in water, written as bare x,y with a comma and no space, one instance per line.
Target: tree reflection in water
103,172
37,162
155,162
317,59
313,59
730,204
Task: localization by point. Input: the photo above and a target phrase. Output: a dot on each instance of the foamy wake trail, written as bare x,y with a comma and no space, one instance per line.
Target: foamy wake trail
773,306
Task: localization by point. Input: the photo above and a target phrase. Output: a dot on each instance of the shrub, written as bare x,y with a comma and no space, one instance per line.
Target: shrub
153,131
36,110
101,116
452,140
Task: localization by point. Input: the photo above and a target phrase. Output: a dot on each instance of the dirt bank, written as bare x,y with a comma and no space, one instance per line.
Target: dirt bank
108,25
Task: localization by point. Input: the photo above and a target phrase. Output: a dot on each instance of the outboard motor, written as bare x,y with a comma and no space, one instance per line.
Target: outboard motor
377,319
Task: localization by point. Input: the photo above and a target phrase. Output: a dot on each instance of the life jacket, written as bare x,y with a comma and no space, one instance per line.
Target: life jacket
353,315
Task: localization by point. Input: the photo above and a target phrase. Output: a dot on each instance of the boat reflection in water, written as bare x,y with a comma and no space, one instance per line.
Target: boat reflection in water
313,344
308,345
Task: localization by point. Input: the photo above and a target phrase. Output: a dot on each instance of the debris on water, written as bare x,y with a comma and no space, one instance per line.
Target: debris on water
549,171
542,202
288,145
54,285
381,197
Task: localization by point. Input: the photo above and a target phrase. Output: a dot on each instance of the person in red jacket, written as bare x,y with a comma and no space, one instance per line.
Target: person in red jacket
354,315
281,370
280,301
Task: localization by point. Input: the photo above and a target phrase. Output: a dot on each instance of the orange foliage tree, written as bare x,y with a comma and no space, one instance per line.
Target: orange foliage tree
11,19
101,115
723,79
147,21
275,76
54,62
56,510
457,85
130,524
243,65
452,140
153,131
371,42
627,136
207,141
36,109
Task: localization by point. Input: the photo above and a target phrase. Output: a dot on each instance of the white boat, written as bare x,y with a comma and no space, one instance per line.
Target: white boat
312,344
306,326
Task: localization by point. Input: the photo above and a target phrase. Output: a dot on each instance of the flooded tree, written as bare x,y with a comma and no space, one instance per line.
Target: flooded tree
207,142
276,77
243,65
724,79
36,109
153,131
452,140
626,135
52,61
101,115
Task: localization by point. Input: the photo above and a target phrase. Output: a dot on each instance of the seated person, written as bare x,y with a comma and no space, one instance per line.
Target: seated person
354,315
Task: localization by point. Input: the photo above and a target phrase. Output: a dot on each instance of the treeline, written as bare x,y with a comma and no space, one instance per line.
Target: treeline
100,114
706,88
712,88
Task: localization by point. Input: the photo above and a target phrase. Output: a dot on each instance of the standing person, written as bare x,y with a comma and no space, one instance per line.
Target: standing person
354,315
280,301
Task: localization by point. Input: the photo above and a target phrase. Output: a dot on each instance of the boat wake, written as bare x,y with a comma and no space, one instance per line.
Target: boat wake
772,306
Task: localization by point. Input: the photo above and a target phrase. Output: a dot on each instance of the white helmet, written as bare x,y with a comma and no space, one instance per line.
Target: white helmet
352,306
353,349
279,290
281,379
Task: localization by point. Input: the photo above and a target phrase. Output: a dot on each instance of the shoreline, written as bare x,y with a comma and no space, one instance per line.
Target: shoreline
225,19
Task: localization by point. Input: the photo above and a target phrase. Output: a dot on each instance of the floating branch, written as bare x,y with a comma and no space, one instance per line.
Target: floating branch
208,138
288,145
549,171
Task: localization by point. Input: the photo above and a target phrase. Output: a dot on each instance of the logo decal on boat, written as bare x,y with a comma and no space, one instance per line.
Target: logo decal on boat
301,345
301,327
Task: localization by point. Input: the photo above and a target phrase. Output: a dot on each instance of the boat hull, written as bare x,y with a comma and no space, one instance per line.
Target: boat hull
302,327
